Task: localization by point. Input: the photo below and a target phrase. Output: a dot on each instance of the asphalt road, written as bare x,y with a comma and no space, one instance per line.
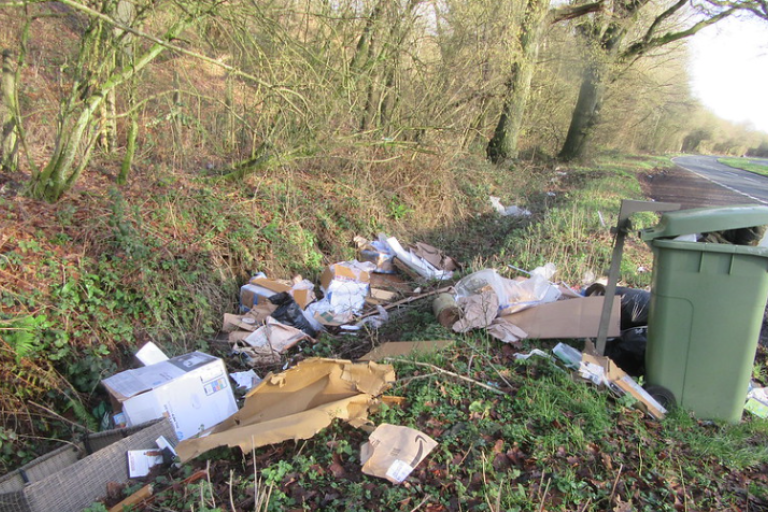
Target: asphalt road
752,187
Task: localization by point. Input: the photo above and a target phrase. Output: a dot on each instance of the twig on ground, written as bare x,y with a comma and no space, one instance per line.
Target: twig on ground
615,483
407,300
426,499
544,496
446,372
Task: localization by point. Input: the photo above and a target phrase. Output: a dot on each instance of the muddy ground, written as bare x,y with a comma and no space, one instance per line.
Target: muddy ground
676,185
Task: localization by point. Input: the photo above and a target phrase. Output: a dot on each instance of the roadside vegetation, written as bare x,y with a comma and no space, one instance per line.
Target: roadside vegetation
90,279
746,164
155,159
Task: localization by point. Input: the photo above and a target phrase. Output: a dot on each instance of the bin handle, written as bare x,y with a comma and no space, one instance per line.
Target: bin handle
623,226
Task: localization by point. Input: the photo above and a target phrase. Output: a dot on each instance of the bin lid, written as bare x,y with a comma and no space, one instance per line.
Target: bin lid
706,220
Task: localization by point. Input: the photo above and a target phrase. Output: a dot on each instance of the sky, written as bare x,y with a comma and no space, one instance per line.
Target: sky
729,70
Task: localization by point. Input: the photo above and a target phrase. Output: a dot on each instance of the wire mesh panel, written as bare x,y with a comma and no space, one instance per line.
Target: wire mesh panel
72,477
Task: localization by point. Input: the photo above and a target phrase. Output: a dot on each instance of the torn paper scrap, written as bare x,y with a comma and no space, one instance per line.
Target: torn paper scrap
150,354
478,311
268,342
419,265
392,452
298,403
506,331
245,380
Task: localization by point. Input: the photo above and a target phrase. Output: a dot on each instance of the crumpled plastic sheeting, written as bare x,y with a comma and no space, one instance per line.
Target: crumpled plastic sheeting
535,290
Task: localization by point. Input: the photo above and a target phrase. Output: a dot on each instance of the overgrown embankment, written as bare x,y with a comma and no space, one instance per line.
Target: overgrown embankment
87,280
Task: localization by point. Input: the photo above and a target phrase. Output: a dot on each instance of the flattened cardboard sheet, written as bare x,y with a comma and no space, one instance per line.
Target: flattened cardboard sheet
298,403
568,318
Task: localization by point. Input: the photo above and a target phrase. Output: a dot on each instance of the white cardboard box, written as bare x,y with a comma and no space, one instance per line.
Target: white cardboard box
192,391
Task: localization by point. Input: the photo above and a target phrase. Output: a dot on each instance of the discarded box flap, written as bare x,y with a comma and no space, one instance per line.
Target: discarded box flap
352,271
130,383
392,452
434,256
568,318
232,323
625,384
380,294
150,354
266,287
617,376
405,348
298,403
419,265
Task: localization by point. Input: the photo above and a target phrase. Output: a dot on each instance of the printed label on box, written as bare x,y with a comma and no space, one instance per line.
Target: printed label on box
399,471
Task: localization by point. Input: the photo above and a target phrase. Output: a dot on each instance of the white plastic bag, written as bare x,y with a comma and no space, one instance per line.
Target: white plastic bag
533,291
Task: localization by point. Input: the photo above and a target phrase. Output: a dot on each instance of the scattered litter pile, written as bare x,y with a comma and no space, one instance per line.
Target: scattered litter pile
276,314
194,397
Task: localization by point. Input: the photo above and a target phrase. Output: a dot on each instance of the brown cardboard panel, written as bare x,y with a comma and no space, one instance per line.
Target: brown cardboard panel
298,403
392,452
569,318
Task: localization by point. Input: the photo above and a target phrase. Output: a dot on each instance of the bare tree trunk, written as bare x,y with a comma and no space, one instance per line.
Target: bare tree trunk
503,145
77,137
585,115
230,137
108,115
606,36
130,150
8,116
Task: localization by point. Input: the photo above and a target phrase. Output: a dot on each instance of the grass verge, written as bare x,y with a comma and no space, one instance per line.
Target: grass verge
746,164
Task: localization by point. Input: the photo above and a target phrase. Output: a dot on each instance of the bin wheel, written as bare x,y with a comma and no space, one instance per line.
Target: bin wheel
662,395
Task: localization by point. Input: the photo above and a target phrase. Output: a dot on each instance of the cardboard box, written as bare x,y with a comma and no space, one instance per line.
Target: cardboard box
260,289
346,286
568,318
345,271
192,391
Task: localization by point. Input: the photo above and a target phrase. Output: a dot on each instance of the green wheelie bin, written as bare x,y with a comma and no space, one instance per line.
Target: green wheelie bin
706,309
